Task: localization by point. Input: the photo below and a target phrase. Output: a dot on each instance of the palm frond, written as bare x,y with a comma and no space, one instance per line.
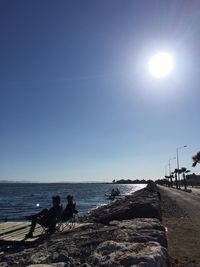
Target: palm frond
194,163
196,159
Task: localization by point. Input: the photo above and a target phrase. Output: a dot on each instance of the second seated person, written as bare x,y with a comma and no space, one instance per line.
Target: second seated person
70,209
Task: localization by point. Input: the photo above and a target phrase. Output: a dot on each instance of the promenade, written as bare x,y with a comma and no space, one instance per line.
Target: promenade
181,217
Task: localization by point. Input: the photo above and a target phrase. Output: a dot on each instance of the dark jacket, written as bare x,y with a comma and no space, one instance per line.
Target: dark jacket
69,211
54,214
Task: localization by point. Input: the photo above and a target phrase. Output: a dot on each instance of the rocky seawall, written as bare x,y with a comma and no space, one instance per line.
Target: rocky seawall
141,204
127,232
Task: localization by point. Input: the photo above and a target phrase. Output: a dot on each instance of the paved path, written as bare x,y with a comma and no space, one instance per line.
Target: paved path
189,202
181,216
195,190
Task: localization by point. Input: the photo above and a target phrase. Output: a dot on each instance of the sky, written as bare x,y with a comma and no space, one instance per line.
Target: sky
77,102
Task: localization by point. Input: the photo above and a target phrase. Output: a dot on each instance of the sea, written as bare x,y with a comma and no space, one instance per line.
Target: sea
18,200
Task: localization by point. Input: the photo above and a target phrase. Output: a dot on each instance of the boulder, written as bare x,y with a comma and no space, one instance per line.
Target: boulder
58,264
125,254
139,230
60,257
151,186
39,265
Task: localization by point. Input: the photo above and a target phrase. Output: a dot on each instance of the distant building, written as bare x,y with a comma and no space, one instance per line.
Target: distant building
193,178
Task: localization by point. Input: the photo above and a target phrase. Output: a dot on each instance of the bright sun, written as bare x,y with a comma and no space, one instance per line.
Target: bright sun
161,65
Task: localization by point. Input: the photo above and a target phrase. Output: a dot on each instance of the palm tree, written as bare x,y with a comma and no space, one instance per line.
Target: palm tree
187,171
171,178
196,159
184,171
176,181
179,182
168,180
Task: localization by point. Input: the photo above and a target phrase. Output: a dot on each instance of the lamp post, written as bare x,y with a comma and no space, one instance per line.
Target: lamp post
166,176
177,149
170,170
170,165
165,170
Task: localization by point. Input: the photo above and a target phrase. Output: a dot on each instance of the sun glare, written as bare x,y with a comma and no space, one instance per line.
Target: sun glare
161,65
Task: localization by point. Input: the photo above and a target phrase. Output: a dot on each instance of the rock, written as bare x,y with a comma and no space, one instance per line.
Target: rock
115,254
61,257
126,233
139,230
142,204
151,186
39,265
39,257
54,256
58,264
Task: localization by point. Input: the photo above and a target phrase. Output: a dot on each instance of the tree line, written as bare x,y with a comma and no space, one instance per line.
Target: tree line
178,177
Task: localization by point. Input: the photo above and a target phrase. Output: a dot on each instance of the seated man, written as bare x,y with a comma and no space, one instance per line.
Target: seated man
117,192
113,192
47,217
70,209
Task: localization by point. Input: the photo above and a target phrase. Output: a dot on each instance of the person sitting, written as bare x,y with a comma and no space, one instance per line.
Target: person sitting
70,209
117,192
113,192
47,217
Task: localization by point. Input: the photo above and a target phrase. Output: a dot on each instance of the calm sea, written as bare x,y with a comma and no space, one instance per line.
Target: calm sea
20,199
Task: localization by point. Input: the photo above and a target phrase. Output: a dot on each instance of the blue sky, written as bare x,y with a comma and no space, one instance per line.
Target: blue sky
77,102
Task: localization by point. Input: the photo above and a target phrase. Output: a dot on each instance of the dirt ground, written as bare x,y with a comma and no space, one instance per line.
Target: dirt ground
181,217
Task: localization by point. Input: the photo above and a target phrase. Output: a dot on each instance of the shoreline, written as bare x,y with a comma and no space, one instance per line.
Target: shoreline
131,225
102,201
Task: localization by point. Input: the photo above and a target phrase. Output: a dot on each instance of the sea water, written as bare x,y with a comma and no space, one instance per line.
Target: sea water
18,200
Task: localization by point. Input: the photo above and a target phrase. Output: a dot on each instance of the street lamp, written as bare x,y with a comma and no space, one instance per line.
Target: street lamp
177,149
170,165
165,170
